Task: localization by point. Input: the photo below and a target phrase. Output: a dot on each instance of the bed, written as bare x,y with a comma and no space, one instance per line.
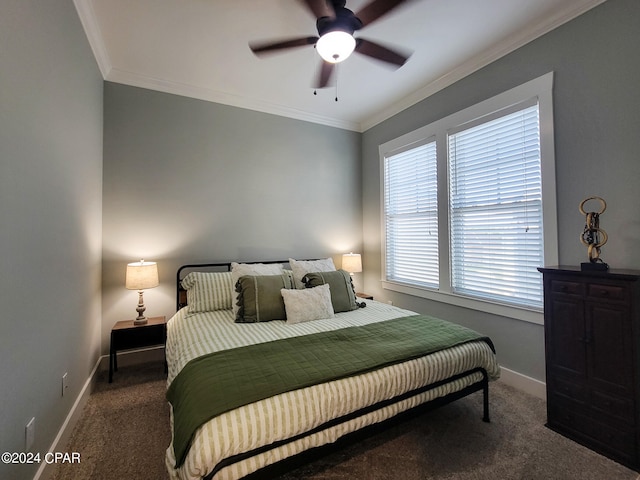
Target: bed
249,390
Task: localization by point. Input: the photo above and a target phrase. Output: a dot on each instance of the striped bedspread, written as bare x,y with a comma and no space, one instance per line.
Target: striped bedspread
292,413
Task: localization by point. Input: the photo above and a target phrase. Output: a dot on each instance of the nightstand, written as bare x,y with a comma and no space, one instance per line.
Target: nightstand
125,336
366,296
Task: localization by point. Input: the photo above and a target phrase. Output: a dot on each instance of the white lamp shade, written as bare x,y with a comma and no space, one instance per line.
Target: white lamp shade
336,46
352,262
141,275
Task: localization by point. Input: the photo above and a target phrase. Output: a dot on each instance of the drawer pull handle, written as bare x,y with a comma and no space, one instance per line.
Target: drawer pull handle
604,293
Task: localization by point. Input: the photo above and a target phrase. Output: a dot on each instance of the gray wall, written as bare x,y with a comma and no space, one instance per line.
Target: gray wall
50,217
597,140
192,181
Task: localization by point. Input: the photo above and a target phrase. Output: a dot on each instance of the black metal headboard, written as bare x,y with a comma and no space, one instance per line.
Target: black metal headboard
181,293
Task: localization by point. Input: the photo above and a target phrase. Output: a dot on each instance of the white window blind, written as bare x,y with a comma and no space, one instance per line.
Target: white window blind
496,209
411,216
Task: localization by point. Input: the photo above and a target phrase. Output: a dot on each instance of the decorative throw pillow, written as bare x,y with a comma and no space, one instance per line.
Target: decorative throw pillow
343,297
302,267
308,304
208,291
241,269
259,297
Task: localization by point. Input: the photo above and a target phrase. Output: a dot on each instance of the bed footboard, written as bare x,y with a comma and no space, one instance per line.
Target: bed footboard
290,463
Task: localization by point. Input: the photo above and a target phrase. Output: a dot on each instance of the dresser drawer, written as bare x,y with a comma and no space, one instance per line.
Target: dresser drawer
565,390
620,443
608,292
569,288
562,416
617,443
612,406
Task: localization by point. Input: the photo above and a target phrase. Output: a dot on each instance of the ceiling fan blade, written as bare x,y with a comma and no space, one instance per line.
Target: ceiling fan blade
259,48
320,8
379,52
376,9
326,71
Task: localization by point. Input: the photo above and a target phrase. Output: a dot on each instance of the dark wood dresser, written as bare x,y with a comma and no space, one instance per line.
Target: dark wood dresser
592,340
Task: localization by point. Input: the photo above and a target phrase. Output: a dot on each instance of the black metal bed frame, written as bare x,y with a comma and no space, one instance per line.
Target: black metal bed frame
288,464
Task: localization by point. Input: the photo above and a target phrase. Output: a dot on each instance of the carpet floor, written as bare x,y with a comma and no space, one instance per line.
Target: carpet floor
124,431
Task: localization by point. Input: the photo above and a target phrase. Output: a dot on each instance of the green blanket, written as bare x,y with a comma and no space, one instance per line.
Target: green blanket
216,383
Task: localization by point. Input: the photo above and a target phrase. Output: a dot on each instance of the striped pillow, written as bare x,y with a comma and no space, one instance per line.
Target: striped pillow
208,291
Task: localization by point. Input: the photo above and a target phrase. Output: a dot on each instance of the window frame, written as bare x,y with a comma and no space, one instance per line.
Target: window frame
540,89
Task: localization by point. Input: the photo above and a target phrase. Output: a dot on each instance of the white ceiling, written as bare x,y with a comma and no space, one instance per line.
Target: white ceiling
199,48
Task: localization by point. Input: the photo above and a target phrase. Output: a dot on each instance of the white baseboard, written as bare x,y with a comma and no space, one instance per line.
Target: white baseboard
59,443
126,358
522,382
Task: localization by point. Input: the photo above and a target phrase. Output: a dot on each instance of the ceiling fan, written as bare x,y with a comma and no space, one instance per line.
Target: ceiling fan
336,25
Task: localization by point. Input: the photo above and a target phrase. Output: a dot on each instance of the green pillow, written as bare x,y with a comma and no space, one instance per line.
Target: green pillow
343,296
259,297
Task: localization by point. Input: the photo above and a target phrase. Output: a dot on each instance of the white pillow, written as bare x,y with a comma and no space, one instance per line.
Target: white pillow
308,304
302,267
241,269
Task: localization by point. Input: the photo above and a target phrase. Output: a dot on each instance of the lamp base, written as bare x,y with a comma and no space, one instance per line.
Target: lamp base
140,321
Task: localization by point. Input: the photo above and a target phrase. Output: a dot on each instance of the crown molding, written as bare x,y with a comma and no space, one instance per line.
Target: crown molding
94,35
210,95
503,48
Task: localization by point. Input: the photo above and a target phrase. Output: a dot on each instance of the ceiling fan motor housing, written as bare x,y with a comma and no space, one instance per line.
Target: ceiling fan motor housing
345,21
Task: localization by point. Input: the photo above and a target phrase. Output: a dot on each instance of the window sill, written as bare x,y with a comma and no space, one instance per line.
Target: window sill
525,314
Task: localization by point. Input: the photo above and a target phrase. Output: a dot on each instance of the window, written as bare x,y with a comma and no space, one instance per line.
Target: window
463,213
411,206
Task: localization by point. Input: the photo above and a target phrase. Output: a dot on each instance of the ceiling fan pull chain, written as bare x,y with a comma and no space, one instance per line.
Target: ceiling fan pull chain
337,69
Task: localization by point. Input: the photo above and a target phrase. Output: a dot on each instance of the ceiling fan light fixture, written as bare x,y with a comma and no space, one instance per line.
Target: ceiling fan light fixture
335,46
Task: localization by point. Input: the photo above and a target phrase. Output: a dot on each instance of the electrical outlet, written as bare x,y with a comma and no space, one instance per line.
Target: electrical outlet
65,385
390,302
29,434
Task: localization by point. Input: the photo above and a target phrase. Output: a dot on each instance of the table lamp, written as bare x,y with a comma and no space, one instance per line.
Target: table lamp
140,276
352,263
